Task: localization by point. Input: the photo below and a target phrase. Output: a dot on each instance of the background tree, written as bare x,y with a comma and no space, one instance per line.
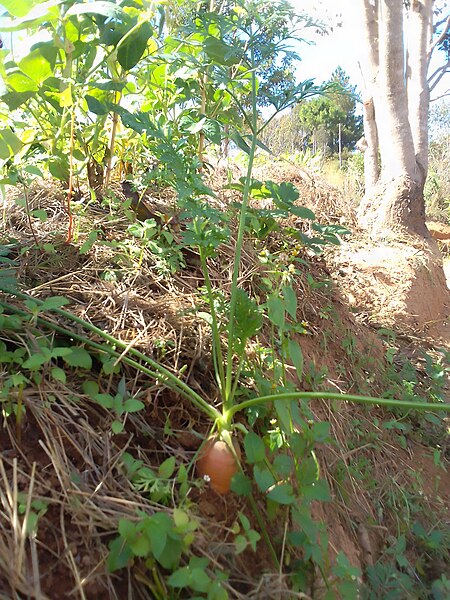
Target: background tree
398,47
442,42
284,135
315,123
319,119
332,115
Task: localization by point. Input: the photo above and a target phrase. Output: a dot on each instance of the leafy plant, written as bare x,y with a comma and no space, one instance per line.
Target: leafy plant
395,576
120,404
199,87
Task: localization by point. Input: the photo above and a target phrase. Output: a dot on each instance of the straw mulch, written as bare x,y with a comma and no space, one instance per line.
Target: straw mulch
62,462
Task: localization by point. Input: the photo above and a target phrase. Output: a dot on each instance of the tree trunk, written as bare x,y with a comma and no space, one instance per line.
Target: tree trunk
370,61
397,119
401,275
419,35
392,207
371,163
390,97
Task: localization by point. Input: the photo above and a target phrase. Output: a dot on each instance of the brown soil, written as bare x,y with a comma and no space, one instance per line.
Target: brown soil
439,231
447,270
397,283
65,453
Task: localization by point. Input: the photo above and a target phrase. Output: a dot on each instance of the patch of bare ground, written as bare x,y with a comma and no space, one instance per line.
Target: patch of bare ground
447,270
397,283
64,453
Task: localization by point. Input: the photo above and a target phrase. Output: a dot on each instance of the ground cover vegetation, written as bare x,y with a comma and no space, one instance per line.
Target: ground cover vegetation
189,409
437,187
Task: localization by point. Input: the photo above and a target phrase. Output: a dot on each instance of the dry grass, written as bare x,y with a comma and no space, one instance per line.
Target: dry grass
65,455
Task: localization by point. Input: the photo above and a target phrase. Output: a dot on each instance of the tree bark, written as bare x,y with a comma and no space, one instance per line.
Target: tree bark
369,18
395,78
390,97
371,163
419,33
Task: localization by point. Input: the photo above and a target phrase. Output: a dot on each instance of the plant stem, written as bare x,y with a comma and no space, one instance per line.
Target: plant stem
263,529
159,371
70,190
228,395
237,375
428,406
216,346
201,141
30,222
112,140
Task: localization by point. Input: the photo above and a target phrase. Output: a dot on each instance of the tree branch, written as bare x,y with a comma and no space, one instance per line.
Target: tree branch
439,23
439,74
440,38
444,95
370,25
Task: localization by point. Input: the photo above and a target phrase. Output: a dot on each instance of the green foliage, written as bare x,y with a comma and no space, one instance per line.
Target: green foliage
159,242
395,576
157,537
31,362
314,124
188,84
245,535
437,186
7,272
157,483
37,509
162,541
79,69
195,577
321,118
354,170
121,404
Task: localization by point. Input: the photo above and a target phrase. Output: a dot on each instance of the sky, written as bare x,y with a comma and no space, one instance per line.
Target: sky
337,48
341,46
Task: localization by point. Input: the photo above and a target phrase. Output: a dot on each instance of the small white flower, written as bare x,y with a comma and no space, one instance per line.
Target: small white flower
206,478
